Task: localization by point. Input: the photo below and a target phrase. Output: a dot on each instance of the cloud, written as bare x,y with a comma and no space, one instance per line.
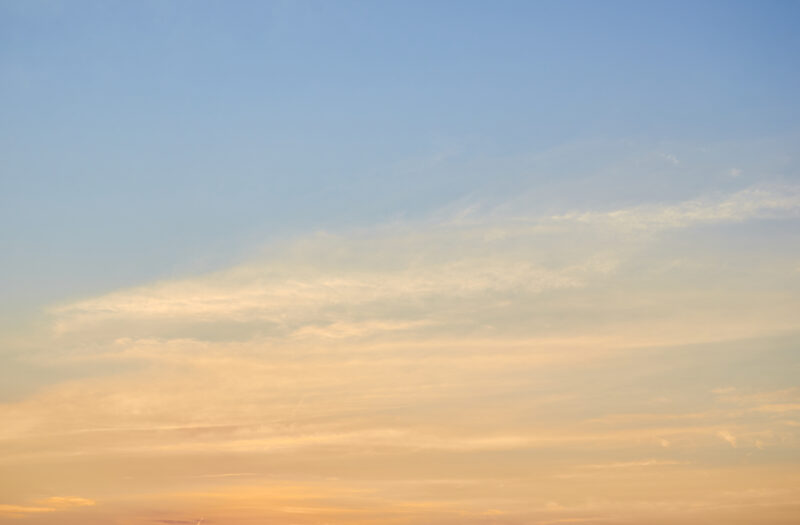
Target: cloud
21,510
593,519
415,278
751,203
44,506
636,464
507,353
672,159
727,436
228,475
767,401
61,502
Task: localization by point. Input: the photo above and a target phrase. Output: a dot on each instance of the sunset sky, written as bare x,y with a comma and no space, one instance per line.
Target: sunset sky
399,263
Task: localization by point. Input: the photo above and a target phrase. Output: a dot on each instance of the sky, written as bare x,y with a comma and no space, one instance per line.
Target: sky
399,263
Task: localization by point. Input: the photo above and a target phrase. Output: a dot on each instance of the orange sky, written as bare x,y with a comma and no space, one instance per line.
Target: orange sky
482,371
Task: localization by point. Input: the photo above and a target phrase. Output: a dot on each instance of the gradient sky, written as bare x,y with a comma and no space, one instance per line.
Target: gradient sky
399,263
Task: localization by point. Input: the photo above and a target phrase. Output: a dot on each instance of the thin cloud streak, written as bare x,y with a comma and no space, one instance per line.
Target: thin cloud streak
451,265
539,355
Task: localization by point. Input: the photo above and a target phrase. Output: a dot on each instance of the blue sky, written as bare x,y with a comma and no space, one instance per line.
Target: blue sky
145,138
399,263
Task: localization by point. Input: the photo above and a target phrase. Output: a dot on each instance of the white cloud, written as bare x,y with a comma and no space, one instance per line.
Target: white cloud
386,280
727,436
561,340
751,203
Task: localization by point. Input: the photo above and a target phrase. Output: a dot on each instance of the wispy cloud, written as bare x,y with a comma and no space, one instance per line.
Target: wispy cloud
727,436
752,203
66,502
515,354
22,510
44,506
386,281
636,464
